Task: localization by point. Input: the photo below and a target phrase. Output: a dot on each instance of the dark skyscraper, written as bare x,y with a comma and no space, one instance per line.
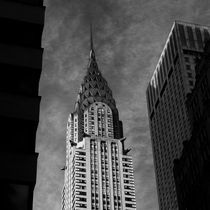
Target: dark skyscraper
192,170
98,171
21,64
172,80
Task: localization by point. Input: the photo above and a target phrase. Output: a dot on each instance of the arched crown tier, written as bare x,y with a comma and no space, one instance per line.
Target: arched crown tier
94,88
95,109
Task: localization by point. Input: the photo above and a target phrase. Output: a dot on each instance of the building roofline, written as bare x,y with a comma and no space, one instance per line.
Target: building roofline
191,23
162,53
167,40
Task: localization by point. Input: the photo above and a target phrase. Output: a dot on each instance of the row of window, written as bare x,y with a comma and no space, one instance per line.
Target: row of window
105,176
116,176
94,174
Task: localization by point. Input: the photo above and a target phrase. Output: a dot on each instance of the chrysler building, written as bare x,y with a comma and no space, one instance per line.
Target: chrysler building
98,168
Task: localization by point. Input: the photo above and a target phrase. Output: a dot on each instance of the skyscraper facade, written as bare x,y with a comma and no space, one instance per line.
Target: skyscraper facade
22,23
98,170
192,169
172,80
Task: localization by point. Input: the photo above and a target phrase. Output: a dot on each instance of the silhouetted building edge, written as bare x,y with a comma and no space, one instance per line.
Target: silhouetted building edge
22,23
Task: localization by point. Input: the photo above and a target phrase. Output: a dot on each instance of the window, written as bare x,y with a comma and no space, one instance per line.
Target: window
128,187
81,175
81,193
81,205
187,59
80,187
129,193
126,159
81,169
188,67
81,181
190,82
81,199
80,158
189,75
129,199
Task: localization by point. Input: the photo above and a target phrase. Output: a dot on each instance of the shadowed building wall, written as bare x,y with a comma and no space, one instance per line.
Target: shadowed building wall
192,170
21,64
172,80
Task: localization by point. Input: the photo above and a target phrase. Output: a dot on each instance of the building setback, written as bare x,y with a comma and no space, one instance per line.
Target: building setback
192,170
21,23
98,171
172,80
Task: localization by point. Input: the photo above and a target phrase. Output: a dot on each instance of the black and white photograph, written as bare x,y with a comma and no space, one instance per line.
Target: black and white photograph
105,104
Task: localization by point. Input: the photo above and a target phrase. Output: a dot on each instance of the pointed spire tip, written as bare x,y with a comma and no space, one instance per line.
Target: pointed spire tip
92,53
91,37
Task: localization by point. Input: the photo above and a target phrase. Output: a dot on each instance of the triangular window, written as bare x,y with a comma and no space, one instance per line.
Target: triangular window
97,94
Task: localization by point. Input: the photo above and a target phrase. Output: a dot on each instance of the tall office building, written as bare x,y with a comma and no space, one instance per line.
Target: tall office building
22,24
98,171
172,80
192,169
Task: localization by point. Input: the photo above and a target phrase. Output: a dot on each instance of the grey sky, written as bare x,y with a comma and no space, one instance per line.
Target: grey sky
129,36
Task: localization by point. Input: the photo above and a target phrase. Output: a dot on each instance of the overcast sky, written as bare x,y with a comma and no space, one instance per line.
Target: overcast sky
129,36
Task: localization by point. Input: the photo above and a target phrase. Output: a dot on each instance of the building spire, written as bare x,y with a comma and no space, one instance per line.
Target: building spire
92,53
91,37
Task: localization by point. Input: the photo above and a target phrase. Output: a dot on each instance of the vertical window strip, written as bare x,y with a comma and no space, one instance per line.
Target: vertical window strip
182,35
